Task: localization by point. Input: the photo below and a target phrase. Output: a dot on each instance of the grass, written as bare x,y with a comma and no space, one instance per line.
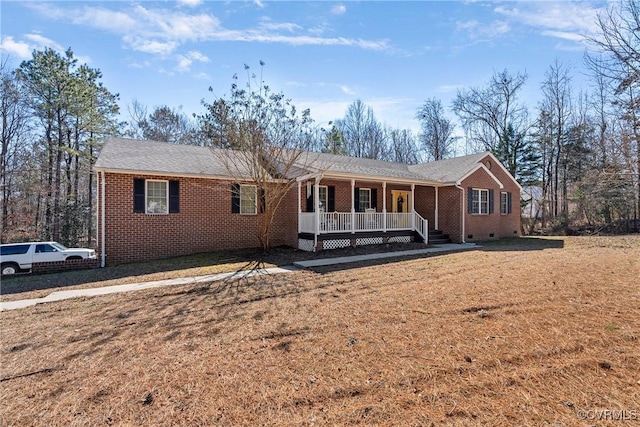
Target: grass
519,333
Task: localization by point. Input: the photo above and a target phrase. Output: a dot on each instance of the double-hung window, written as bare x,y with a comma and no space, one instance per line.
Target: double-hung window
324,198
248,199
364,199
157,197
505,202
480,201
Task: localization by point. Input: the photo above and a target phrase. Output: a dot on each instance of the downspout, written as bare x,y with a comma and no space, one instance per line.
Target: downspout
436,225
384,206
316,206
462,212
299,206
102,226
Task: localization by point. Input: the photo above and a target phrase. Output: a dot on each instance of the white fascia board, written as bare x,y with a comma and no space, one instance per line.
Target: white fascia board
499,163
179,175
308,176
394,180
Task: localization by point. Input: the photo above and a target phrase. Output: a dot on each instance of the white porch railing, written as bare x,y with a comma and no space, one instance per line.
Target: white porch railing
340,222
422,227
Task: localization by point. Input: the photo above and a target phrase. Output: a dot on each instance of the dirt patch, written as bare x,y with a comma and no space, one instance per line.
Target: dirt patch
502,336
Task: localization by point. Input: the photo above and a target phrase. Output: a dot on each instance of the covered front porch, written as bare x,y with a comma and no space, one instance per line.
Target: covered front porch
380,212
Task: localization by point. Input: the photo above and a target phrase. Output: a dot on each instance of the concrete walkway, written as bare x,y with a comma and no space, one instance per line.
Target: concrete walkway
445,247
105,290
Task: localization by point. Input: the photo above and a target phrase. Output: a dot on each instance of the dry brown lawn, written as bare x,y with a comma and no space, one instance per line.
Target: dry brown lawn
524,332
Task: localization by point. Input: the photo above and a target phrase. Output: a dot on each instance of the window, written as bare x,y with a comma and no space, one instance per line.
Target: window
43,248
364,199
248,198
505,202
157,197
479,201
323,195
14,249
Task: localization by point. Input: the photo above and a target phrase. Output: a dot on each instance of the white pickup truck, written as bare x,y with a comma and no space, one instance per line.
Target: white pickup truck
16,257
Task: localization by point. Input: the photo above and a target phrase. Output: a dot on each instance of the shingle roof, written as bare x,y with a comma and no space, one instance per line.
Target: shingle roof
449,170
162,158
130,155
331,163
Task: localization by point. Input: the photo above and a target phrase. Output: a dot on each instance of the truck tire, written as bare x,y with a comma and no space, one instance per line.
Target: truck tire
9,268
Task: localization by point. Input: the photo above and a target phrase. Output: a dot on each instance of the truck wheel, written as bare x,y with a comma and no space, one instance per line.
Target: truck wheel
10,268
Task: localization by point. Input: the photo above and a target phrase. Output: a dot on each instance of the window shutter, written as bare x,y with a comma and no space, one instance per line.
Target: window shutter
235,198
356,199
138,195
470,200
331,198
310,201
490,201
509,202
174,196
374,198
262,200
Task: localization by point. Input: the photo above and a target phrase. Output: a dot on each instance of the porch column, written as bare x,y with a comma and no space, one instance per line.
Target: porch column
413,204
353,206
436,216
299,205
316,204
384,206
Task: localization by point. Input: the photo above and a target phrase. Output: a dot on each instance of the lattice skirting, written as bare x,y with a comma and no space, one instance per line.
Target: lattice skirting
336,244
361,241
400,239
305,245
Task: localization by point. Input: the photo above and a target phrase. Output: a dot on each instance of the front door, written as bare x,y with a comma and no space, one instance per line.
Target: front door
400,201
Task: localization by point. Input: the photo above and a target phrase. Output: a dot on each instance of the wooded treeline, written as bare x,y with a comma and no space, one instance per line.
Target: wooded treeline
577,152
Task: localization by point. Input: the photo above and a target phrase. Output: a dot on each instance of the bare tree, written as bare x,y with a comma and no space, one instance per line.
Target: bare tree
403,147
363,135
492,113
262,140
15,127
618,61
436,136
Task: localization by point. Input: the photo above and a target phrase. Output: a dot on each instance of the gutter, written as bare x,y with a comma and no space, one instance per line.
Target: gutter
102,225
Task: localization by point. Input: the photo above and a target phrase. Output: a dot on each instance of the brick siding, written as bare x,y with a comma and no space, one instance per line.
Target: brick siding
56,266
205,222
495,225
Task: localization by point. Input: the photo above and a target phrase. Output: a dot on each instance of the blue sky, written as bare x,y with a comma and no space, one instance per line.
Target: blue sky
323,55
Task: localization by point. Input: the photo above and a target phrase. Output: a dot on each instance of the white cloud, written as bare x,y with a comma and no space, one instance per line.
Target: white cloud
578,16
23,49
161,31
564,35
569,21
258,3
347,90
185,61
18,48
42,42
266,24
339,9
190,3
478,31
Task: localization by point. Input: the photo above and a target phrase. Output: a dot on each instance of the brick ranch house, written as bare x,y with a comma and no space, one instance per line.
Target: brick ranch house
158,200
